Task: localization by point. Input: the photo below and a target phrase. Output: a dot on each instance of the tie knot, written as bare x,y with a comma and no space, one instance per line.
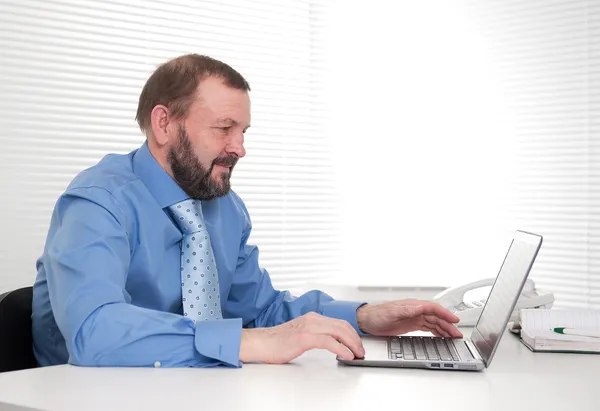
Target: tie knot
188,215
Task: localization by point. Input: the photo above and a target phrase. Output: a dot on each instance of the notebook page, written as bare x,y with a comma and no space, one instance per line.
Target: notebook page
546,319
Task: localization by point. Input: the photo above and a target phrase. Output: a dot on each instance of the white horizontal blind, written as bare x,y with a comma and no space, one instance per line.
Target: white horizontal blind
70,75
473,119
420,146
548,55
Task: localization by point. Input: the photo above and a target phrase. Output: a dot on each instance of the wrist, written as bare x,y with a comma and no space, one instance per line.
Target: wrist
361,318
247,345
253,344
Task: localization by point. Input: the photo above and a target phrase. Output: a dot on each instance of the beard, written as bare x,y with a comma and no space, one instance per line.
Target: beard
191,175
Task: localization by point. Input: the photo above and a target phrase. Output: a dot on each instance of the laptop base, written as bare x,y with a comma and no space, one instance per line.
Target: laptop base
378,351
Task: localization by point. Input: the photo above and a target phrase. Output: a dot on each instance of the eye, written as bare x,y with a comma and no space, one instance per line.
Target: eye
225,129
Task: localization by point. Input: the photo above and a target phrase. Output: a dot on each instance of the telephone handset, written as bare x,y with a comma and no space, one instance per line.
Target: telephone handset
454,300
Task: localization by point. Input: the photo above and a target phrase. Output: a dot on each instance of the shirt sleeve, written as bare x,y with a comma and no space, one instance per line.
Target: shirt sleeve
254,299
87,261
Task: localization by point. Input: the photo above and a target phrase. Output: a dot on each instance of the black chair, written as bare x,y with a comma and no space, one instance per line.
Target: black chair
16,346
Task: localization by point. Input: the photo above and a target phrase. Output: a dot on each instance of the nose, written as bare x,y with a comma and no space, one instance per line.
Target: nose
236,146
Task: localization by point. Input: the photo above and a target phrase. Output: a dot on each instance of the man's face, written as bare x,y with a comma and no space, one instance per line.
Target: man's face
210,140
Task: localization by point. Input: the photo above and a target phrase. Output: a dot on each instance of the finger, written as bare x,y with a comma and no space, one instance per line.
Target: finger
348,336
341,331
448,328
439,331
432,330
442,332
454,332
329,343
444,327
431,308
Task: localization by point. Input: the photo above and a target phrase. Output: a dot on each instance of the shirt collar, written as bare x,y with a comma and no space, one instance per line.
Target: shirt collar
160,184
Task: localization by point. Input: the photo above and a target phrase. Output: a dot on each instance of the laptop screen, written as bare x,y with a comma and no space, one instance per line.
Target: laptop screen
505,293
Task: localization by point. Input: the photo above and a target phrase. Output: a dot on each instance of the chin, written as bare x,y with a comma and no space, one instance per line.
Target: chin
217,178
220,180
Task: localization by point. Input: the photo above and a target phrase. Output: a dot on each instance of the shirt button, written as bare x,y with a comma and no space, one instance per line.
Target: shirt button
157,364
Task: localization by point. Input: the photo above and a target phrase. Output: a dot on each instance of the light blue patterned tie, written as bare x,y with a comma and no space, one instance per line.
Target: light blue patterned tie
199,276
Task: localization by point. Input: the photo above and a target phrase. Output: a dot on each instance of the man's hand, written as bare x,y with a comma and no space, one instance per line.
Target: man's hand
283,343
400,317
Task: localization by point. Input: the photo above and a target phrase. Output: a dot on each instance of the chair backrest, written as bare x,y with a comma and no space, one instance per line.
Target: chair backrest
16,344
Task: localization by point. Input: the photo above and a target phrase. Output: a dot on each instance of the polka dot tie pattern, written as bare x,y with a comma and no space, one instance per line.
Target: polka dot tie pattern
199,276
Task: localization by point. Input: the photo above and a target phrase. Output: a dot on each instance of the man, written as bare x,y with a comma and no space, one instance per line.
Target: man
146,261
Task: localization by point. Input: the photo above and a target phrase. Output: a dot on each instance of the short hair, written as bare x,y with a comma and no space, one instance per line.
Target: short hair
175,82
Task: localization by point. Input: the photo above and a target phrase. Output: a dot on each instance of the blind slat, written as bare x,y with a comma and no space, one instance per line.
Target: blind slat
70,80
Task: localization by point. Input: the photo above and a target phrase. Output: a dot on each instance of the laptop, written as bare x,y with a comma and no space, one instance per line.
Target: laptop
472,353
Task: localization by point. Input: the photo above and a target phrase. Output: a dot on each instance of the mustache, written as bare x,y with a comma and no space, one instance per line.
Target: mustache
225,161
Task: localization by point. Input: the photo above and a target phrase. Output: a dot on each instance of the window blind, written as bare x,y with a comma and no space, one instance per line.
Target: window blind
477,118
548,54
70,75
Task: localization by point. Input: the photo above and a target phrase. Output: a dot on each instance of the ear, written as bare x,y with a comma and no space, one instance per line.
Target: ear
160,120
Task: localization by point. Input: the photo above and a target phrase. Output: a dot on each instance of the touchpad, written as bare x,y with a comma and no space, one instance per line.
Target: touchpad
375,348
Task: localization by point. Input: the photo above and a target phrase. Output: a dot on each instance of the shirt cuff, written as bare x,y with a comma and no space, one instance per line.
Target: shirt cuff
218,342
343,310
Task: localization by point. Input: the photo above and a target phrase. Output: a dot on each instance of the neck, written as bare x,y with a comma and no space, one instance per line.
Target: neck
160,155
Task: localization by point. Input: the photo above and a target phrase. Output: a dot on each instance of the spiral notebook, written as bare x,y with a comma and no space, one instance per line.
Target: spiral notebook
537,334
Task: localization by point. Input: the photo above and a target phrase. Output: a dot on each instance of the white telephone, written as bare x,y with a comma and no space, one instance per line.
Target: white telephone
454,300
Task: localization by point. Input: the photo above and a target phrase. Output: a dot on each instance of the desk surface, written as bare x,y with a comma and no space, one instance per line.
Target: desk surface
517,380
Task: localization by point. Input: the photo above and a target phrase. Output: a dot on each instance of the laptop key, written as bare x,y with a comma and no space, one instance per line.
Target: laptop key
419,350
407,349
430,349
395,345
452,349
442,349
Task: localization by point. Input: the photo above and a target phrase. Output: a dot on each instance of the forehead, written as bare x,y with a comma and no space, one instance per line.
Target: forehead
217,100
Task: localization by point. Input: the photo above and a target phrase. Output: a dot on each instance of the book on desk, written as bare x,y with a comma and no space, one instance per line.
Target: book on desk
537,330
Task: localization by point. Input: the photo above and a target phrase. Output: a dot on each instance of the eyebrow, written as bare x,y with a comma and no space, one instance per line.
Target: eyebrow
229,120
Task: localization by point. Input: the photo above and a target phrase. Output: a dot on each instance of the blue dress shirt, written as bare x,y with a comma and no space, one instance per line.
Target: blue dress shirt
108,286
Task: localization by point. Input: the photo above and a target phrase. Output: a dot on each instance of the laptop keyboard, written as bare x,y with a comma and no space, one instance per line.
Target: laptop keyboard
428,348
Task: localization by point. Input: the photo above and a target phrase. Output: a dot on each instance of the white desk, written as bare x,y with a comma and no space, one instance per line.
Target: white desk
516,380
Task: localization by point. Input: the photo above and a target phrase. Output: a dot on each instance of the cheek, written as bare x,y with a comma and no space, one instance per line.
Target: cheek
204,158
206,153
206,144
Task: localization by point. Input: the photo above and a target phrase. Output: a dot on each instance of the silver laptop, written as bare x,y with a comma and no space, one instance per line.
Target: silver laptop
475,352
